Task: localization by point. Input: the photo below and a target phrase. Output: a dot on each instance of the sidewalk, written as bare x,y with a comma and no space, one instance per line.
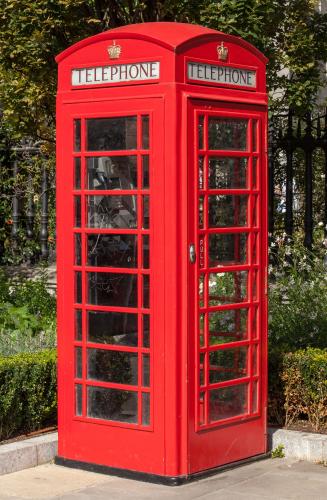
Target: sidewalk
276,479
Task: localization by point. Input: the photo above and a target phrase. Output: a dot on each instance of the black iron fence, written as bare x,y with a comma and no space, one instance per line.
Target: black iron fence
297,186
298,175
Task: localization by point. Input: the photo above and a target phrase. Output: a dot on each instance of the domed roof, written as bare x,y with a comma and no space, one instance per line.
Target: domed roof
172,36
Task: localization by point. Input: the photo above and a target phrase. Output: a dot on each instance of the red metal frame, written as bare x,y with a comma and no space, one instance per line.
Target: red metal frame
175,443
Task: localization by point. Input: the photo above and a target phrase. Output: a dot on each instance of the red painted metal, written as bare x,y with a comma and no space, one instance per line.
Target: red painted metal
176,434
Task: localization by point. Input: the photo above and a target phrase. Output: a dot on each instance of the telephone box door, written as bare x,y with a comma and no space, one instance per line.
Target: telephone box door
227,225
109,264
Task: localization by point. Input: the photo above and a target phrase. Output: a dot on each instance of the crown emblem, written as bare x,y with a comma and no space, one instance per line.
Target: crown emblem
222,52
114,50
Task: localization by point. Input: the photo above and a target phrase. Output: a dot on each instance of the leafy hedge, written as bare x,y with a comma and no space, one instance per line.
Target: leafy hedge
28,392
305,386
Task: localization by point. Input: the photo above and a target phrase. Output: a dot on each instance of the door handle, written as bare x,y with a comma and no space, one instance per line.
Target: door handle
192,253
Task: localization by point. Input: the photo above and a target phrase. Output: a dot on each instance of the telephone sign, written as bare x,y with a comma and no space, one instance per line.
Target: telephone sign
162,252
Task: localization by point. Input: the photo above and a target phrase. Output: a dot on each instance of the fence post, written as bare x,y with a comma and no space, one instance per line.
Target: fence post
30,214
308,218
289,176
15,208
44,214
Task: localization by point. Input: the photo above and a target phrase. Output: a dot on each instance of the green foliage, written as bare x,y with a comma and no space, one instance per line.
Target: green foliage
297,312
28,387
305,386
27,315
278,452
292,34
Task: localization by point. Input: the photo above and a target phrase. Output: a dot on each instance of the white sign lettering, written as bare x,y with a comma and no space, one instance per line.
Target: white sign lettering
116,73
221,74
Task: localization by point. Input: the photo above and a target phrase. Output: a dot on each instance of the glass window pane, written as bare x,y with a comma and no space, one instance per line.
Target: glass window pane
228,288
146,370
112,172
77,135
227,210
78,211
227,249
227,134
146,212
77,173
78,400
112,328
112,250
145,132
201,172
254,172
146,291
146,173
111,134
254,359
78,362
146,251
255,314
112,404
200,131
202,400
112,366
78,324
254,396
227,173
146,330
201,212
112,212
112,289
78,287
202,368
228,326
254,135
78,249
202,329
228,364
145,408
228,402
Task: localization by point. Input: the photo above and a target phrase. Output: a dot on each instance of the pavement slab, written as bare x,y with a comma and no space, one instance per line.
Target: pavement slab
278,479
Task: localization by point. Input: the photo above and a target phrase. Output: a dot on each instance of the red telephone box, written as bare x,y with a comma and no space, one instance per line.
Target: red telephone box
162,251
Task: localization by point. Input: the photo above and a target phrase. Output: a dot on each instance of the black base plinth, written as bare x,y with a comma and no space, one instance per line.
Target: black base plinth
154,478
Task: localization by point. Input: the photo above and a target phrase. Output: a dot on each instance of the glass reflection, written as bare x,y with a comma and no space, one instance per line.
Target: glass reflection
227,210
228,288
112,250
146,330
77,173
145,408
227,134
227,173
77,135
112,289
78,400
111,134
145,132
78,211
228,326
112,404
227,249
228,364
112,172
112,211
112,366
112,328
228,402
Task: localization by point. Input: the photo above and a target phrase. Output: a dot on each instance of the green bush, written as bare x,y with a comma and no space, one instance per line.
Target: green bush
305,386
297,313
27,315
28,389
